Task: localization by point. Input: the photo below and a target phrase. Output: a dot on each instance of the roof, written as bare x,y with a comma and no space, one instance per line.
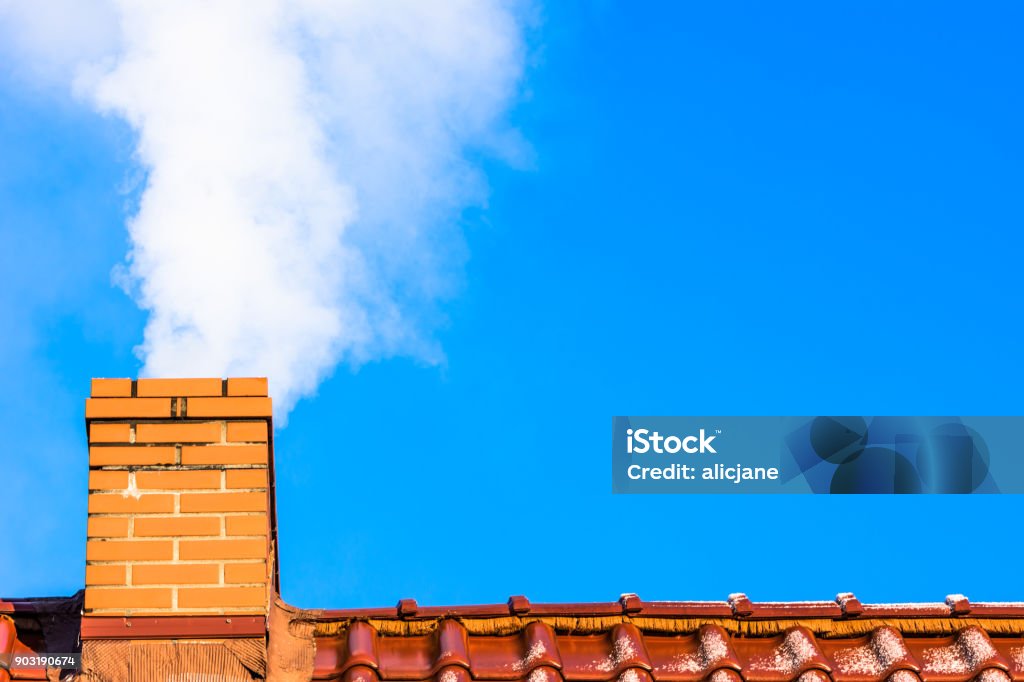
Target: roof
635,641
629,640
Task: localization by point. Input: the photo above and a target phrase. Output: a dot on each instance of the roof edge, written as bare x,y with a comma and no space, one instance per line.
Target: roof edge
739,608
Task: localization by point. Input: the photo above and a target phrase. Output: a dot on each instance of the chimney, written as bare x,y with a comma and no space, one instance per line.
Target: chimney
181,535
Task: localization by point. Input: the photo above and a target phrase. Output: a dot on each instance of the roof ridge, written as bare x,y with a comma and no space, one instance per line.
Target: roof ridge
844,606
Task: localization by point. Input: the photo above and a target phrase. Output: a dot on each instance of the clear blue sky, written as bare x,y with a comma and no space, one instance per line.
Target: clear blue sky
801,208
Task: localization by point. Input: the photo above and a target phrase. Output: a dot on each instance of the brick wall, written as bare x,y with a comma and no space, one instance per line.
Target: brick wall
180,497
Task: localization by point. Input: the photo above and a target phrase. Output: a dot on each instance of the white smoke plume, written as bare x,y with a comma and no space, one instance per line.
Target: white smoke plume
305,165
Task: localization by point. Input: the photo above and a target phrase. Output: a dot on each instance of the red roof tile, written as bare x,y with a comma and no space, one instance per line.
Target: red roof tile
635,641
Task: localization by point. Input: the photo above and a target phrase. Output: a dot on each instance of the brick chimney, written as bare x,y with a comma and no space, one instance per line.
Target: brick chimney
181,533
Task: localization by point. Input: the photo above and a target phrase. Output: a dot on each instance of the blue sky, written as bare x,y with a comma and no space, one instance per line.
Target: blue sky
733,209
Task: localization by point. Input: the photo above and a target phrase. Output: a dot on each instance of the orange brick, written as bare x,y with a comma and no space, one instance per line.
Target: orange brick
170,388
106,575
108,480
223,502
255,386
175,574
108,527
111,388
176,527
129,550
127,408
134,598
254,432
229,407
224,454
212,597
178,480
245,573
129,455
109,433
119,504
246,525
203,432
246,478
209,550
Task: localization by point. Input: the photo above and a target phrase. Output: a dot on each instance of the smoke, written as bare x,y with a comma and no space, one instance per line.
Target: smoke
306,164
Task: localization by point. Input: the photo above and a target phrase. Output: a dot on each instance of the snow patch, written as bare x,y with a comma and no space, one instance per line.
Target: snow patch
904,676
712,649
684,663
622,650
993,675
970,650
796,649
885,648
945,659
537,649
629,676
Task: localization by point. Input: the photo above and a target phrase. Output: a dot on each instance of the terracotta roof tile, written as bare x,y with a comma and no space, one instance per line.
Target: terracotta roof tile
636,641
883,654
631,640
968,653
